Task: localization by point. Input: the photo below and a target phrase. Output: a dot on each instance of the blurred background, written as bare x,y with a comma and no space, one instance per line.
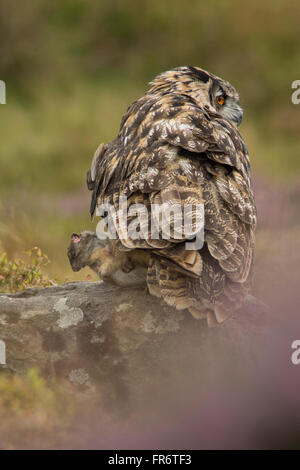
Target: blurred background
72,68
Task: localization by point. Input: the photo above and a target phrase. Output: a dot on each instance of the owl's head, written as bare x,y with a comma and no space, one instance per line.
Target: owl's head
206,89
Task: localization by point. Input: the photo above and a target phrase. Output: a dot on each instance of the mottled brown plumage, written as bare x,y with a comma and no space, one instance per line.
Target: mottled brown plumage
180,144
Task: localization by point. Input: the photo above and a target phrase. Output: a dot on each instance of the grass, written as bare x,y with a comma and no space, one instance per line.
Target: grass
47,142
47,146
33,411
19,274
73,69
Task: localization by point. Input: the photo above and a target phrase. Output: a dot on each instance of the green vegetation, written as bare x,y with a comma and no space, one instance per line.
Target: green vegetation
18,275
32,412
73,67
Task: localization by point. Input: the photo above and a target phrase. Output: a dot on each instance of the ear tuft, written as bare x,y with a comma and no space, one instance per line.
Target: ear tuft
200,74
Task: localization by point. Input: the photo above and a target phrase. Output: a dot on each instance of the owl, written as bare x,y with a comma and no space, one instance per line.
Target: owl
178,145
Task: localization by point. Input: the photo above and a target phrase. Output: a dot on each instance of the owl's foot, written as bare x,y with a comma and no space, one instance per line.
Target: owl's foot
202,314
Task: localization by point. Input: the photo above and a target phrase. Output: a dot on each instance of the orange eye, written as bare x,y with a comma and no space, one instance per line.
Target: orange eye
220,100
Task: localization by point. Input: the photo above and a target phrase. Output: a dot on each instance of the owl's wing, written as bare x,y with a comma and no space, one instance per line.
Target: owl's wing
171,151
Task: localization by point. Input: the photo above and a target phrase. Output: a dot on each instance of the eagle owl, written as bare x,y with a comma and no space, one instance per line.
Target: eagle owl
179,144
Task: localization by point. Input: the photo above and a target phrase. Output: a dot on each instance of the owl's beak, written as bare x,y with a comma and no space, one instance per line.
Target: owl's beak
233,112
239,117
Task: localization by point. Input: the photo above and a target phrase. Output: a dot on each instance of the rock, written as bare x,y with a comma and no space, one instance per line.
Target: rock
115,341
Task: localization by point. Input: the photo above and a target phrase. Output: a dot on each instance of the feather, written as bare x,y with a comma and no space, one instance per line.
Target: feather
174,150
